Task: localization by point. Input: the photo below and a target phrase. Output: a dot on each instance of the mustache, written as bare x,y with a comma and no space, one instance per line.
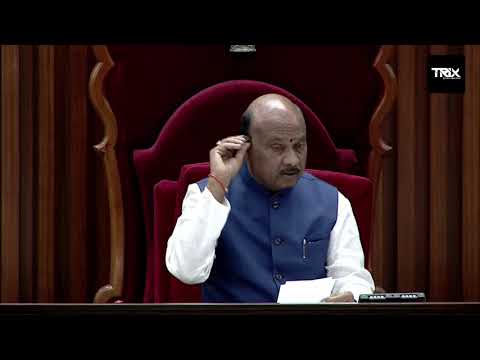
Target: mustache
290,171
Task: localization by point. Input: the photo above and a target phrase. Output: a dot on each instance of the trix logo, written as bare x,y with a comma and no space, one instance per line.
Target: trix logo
446,73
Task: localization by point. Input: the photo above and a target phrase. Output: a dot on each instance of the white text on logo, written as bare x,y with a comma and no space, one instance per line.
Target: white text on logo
446,73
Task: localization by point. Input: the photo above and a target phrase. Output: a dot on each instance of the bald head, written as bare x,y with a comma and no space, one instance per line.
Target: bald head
270,108
278,151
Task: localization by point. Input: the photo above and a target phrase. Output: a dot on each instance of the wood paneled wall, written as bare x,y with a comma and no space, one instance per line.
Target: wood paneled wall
54,217
470,224
50,250
429,233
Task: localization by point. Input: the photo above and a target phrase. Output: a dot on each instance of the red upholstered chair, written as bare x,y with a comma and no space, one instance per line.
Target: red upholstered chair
193,123
164,106
215,113
163,287
157,282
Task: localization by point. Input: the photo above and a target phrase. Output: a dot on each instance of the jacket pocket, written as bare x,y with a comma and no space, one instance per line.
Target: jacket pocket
313,247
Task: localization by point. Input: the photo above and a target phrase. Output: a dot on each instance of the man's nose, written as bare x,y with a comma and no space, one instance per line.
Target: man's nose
291,158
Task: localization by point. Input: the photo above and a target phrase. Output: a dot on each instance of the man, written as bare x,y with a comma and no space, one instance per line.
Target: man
258,220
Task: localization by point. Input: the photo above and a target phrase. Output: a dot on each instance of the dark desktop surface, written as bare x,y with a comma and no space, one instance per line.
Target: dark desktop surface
164,311
204,323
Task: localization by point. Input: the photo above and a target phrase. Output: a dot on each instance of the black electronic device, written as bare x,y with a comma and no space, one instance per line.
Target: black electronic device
392,297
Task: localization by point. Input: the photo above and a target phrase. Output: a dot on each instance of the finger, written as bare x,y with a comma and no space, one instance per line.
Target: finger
243,150
226,142
332,298
229,150
231,146
345,297
236,139
239,137
224,152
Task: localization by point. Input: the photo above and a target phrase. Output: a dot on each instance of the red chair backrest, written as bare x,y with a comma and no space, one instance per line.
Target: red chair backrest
193,130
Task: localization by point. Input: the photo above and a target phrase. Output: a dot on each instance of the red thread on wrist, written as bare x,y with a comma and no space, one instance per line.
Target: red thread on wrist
225,189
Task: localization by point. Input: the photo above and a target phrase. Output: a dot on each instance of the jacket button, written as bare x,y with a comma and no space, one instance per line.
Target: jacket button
277,241
276,204
279,277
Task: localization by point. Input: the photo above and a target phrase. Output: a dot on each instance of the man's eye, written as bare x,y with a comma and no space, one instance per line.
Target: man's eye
299,146
277,147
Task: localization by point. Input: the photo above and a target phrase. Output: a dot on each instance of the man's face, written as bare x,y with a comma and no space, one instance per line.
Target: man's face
278,152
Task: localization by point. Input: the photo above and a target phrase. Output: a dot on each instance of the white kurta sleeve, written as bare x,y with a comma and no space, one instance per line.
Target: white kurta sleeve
345,259
191,247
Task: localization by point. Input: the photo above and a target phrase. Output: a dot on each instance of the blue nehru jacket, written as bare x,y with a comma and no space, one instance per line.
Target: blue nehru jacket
270,238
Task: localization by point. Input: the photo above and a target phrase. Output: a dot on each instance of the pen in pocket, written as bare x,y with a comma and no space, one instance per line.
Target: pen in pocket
304,249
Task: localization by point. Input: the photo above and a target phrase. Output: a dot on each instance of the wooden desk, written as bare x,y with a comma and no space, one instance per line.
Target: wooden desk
157,324
160,312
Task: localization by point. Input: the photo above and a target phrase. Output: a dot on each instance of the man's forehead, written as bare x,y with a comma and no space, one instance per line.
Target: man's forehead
286,137
279,124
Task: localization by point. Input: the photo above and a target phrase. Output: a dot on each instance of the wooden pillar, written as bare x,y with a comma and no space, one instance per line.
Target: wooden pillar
471,176
47,213
10,170
445,190
412,170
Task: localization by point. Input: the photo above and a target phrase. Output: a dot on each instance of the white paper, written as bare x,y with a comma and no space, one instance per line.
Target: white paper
305,291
